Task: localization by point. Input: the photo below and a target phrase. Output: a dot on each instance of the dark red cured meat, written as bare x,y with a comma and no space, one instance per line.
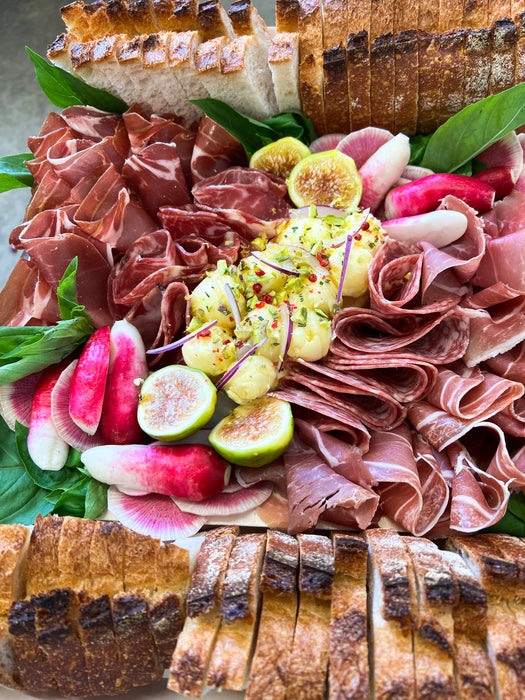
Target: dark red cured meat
215,150
72,160
160,314
437,339
405,378
51,193
314,489
90,122
26,298
250,191
504,261
349,392
156,176
414,504
496,322
247,225
52,256
46,224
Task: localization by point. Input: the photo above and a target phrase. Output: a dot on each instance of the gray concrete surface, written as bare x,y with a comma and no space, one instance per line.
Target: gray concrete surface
23,107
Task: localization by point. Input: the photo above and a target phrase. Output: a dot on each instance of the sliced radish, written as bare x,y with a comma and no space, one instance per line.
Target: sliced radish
326,143
383,169
64,424
362,144
46,448
507,152
501,178
127,369
16,400
440,227
88,384
415,172
154,515
229,503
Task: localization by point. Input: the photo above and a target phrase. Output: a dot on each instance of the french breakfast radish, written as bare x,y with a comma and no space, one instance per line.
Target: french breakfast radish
383,169
194,472
127,370
424,195
440,227
501,178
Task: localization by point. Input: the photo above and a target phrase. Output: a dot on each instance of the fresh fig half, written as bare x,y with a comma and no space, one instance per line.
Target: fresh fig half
254,433
154,515
280,157
328,178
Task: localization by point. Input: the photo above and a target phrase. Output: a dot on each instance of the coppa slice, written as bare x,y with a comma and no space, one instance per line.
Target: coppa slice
255,433
175,402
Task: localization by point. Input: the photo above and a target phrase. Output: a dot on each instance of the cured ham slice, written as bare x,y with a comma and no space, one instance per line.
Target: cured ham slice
215,150
510,364
504,261
509,212
90,122
437,339
512,418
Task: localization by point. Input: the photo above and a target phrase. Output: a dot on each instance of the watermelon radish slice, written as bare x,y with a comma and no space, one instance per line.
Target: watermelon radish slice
16,400
229,502
154,515
60,402
46,448
326,143
89,382
506,152
362,144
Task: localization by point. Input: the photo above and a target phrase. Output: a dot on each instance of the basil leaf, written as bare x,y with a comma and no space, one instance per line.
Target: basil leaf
418,144
64,90
27,350
71,501
96,502
513,522
469,132
14,172
254,134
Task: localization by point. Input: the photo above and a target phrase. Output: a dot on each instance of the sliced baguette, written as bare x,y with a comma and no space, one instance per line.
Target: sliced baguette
452,73
287,15
214,20
191,657
140,558
73,554
106,557
229,664
519,67
406,60
283,60
142,14
118,20
14,544
477,65
177,15
310,28
75,18
9,673
335,22
308,664
59,51
358,69
504,37
434,633
246,20
277,621
182,51
42,554
348,664
392,608
382,81
474,671
512,550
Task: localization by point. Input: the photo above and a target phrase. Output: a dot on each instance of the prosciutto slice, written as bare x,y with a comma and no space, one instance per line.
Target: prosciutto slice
27,298
215,150
510,364
504,261
512,418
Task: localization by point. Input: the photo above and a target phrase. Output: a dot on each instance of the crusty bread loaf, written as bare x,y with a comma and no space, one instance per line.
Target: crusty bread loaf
275,635
335,22
283,59
348,664
14,543
358,68
42,554
106,555
308,664
142,15
287,15
214,21
452,73
177,15
310,28
74,545
504,37
229,664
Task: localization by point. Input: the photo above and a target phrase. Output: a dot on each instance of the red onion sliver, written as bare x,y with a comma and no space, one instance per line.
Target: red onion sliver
346,258
233,303
286,320
274,266
181,341
233,370
341,240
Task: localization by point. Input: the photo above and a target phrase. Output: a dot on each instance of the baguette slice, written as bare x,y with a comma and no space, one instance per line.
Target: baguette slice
118,20
42,554
382,81
287,15
504,38
434,633
283,60
429,81
310,29
102,653
142,14
140,557
106,557
505,637
56,615
31,660
512,550
177,15
406,65
476,15
277,622
477,65
519,68
335,85
450,15
230,659
392,608
247,21
9,673
474,671
75,18
182,51
452,70
191,658
73,554
59,51
348,665
214,21
14,544
308,665
358,68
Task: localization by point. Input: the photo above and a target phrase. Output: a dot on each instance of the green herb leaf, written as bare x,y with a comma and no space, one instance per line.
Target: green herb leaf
71,501
513,522
254,134
14,172
476,127
418,144
64,90
96,502
29,349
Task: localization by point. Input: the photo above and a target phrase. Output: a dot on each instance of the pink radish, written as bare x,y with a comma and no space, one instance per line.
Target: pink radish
127,370
66,428
228,502
46,448
425,195
362,144
154,515
437,227
415,172
506,152
89,382
499,177
194,472
383,169
326,143
16,400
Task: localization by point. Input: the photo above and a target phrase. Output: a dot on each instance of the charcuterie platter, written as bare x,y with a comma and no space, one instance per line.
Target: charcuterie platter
268,280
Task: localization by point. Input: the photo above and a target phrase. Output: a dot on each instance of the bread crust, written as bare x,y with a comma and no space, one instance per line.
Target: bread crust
142,15
335,85
14,542
477,65
429,60
452,68
287,15
106,556
214,21
310,28
406,65
73,553
358,68
382,81
42,554
504,38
